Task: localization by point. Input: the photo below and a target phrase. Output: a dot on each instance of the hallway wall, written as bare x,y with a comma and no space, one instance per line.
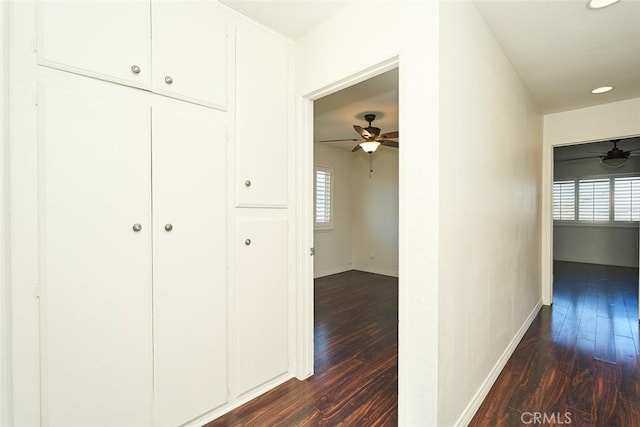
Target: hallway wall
491,142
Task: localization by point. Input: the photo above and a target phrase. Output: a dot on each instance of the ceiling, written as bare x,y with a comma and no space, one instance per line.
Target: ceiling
594,149
291,18
562,50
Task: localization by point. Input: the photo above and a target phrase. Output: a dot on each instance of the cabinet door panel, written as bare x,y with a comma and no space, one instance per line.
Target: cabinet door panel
95,270
190,281
190,48
102,39
262,129
262,301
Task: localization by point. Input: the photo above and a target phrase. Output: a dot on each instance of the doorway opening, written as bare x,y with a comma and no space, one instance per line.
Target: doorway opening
356,247
596,212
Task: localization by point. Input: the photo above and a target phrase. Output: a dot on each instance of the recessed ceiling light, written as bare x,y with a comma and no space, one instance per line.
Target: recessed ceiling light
602,89
599,4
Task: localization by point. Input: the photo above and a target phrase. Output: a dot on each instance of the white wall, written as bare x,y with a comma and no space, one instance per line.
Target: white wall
338,53
333,247
375,212
595,244
4,283
607,121
491,143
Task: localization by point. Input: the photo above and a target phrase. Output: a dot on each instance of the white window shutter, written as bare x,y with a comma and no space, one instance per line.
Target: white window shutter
564,200
627,199
594,200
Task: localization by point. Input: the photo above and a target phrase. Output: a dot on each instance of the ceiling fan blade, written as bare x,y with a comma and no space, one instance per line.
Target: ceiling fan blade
388,143
363,132
338,140
389,135
356,148
581,158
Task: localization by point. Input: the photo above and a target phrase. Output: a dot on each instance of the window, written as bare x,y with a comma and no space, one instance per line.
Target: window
324,202
593,200
564,200
627,199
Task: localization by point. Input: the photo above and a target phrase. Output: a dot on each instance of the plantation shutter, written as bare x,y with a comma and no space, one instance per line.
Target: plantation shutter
324,217
594,200
627,199
564,200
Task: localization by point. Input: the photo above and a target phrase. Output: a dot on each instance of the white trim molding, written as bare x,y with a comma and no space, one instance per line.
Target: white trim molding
5,311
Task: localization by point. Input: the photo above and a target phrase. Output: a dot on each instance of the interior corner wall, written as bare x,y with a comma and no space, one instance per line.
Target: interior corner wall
333,247
490,173
335,53
375,212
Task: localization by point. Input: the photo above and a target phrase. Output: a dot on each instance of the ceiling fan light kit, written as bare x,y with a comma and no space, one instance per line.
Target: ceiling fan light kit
369,146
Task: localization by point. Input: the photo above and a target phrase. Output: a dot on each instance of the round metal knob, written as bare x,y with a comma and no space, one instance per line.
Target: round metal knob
168,80
135,69
168,227
247,183
137,227
247,242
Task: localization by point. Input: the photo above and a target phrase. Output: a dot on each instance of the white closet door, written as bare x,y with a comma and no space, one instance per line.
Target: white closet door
95,270
262,301
190,49
190,282
100,38
263,117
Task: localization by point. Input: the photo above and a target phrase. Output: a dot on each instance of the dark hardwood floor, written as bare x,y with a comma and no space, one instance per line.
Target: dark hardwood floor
356,361
580,356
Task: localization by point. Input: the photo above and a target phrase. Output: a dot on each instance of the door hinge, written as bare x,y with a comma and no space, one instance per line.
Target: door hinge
312,251
35,97
37,290
34,45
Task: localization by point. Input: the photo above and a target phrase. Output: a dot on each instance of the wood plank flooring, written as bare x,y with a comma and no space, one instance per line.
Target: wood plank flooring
356,361
580,356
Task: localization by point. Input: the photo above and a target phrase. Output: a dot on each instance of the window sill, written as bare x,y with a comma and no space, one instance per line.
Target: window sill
557,223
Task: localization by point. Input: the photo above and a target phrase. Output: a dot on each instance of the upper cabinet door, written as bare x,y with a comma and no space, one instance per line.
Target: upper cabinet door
263,118
109,40
190,51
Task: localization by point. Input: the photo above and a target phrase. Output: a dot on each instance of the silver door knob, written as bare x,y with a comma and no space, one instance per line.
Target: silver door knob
247,183
247,242
135,69
168,80
168,227
137,227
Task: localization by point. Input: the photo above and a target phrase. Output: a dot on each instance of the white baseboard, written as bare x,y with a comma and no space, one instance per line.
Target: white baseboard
330,271
482,392
376,270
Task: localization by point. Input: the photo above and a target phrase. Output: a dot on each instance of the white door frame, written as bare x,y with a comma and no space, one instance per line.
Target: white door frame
5,377
305,303
547,215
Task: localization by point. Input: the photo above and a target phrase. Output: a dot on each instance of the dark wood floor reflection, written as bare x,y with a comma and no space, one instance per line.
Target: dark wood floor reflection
580,356
356,361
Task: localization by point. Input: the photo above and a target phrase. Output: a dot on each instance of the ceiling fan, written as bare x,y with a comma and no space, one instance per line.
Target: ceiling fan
371,138
615,157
